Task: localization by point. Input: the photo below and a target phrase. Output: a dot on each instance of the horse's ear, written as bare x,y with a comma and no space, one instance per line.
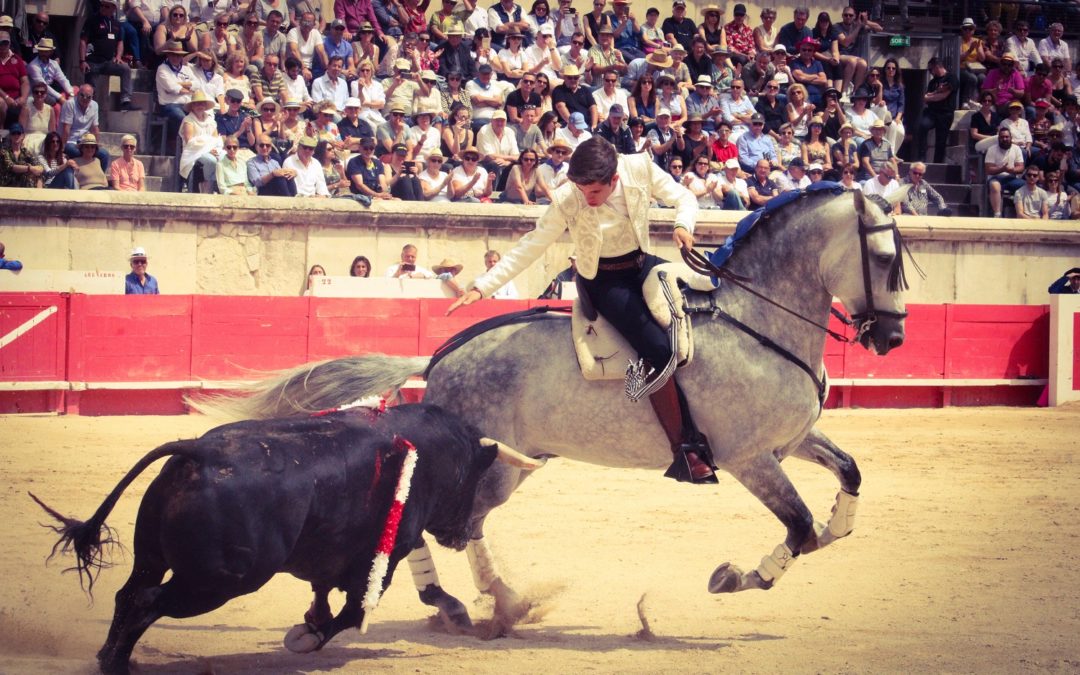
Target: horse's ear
860,203
897,196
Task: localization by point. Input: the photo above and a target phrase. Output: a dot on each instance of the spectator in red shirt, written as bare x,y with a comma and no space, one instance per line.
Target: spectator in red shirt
14,82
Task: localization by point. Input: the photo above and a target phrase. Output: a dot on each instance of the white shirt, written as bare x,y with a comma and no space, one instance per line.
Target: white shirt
427,181
1026,53
459,176
426,141
740,187
507,292
696,184
534,55
306,47
1020,130
309,180
1049,52
873,186
296,90
322,89
572,140
787,182
552,178
214,87
1008,158
604,102
490,144
168,83
474,88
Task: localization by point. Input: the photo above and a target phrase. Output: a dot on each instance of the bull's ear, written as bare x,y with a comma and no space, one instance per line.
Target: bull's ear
508,455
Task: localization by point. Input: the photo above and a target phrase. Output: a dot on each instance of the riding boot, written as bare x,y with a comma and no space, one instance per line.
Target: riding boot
690,451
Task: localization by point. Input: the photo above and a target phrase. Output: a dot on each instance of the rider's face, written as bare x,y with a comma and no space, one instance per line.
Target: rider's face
597,193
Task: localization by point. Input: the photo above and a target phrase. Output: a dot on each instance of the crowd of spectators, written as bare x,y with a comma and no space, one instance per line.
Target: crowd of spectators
398,99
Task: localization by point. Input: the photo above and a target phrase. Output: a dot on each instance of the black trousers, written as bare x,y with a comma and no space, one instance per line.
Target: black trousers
618,298
939,122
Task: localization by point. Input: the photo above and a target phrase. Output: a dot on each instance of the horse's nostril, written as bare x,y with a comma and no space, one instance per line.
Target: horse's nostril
895,341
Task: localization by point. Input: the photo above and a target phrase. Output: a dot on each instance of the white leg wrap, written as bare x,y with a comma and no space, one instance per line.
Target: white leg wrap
422,566
773,566
482,564
843,516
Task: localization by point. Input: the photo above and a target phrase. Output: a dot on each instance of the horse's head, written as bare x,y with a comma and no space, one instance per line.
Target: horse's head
864,268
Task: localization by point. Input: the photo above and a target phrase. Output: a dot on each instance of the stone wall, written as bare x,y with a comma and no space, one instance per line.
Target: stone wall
211,244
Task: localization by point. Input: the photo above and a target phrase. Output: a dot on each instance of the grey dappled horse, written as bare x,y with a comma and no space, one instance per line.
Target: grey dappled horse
521,383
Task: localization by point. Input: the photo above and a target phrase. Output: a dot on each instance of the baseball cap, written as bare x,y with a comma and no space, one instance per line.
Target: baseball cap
797,162
235,95
815,166
757,117
740,9
352,102
578,120
732,163
498,115
337,23
399,147
616,109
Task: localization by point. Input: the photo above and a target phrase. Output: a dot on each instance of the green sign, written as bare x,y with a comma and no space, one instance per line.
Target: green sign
900,41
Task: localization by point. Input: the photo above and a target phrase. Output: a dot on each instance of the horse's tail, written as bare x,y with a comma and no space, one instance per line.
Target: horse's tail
315,386
89,539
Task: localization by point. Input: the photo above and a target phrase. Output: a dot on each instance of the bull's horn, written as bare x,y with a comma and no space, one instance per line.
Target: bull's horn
508,455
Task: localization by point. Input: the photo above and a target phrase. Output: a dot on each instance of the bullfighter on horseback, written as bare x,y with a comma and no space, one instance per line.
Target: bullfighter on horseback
605,206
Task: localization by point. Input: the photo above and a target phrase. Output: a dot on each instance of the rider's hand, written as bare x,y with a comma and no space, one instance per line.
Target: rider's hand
469,298
683,239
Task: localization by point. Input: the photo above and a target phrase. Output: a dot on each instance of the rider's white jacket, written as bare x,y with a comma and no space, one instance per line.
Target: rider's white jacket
619,226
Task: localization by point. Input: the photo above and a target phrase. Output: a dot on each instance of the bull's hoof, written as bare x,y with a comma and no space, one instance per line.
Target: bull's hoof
302,639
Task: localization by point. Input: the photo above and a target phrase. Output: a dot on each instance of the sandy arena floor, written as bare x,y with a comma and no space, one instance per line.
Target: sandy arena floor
961,561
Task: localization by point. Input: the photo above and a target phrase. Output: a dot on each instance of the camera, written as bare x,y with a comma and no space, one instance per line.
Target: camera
571,11
407,267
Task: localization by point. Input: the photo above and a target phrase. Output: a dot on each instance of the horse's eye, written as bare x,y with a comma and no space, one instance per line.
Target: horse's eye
884,258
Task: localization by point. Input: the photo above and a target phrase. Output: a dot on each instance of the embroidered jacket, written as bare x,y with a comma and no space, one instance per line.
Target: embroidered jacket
642,181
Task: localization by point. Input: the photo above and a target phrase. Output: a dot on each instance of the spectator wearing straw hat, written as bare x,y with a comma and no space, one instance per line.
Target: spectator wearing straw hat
101,50
446,271
46,70
571,97
552,172
175,83
127,174
89,173
139,281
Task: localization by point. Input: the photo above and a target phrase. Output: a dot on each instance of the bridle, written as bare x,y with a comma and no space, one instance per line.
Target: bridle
862,322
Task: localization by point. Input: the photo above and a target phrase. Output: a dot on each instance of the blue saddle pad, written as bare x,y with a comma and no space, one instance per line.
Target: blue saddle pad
723,253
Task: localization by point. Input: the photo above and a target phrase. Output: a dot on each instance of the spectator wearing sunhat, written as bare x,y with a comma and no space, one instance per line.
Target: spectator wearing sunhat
470,182
732,193
653,65
665,140
808,71
1006,82
1021,130
45,69
446,271
456,55
614,130
604,57
433,180
395,131
89,173
101,50
704,102
876,152
175,82
571,97
352,127
310,179
552,172
201,143
139,281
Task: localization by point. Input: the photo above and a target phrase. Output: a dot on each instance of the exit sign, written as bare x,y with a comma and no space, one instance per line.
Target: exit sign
900,41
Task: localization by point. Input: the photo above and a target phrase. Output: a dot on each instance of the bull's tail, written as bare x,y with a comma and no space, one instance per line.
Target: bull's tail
314,387
88,540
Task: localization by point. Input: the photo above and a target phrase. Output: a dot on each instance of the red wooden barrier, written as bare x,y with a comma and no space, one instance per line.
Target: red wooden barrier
33,348
246,337
343,326
997,341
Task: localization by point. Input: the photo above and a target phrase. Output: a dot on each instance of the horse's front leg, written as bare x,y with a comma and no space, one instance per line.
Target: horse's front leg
817,447
767,481
426,580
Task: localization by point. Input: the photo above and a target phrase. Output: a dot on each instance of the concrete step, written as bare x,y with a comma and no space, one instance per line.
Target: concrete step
153,183
939,173
143,80
956,194
141,99
134,122
110,141
157,165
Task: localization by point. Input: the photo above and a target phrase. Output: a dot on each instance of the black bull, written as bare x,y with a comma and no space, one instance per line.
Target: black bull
303,495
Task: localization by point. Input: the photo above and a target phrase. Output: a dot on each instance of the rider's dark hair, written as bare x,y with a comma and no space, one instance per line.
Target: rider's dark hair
594,161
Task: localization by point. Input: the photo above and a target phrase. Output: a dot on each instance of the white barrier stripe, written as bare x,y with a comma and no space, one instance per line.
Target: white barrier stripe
23,329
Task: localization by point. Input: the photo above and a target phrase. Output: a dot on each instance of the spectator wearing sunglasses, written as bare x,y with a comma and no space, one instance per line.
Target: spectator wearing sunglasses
37,30
1053,48
139,282
127,174
922,195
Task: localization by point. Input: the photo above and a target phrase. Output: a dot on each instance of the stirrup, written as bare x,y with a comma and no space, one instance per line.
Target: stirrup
680,470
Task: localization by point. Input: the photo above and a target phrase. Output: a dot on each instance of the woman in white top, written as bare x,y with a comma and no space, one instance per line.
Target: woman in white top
511,61
859,115
800,110
670,97
765,34
201,145
470,182
433,180
610,94
219,42
701,183
508,291
371,94
425,135
234,77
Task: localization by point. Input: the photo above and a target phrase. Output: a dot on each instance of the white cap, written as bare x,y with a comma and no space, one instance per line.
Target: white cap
137,252
663,111
815,166
732,163
353,102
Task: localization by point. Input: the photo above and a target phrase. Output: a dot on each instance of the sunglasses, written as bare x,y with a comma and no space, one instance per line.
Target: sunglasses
222,24
85,97
232,147
560,151
528,159
138,262
675,166
264,145
437,160
256,23
39,92
128,146
471,158
610,81
848,16
178,15
916,173
578,43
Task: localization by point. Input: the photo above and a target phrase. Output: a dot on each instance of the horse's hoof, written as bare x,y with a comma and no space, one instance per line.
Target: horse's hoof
725,579
458,622
301,639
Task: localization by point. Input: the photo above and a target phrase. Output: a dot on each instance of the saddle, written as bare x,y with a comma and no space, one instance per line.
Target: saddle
603,352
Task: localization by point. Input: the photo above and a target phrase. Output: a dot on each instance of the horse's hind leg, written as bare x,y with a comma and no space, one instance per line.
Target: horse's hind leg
767,481
817,447
426,580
